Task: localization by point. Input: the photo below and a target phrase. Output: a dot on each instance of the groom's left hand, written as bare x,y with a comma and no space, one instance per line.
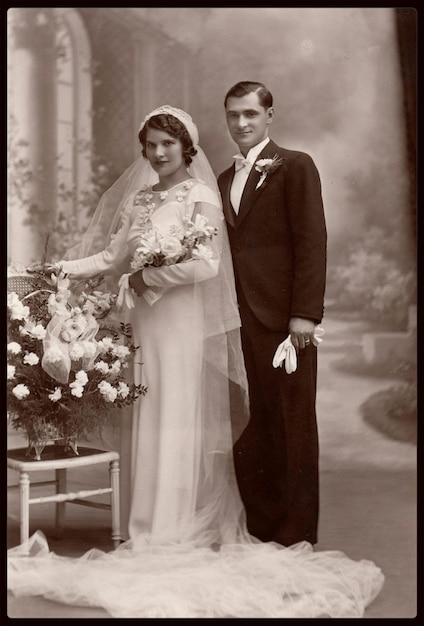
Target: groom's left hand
301,331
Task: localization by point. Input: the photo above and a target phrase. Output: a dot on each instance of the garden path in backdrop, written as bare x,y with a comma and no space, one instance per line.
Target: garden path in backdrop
368,492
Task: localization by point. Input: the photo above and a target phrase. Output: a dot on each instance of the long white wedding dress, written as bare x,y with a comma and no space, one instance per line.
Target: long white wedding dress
189,553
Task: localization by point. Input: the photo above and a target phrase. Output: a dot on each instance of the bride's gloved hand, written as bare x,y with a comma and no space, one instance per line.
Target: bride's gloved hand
44,270
136,282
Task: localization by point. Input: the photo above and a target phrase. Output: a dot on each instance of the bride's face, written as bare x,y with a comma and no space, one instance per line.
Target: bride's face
164,152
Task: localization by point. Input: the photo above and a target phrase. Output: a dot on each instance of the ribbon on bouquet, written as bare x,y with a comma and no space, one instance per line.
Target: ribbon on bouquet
125,295
286,352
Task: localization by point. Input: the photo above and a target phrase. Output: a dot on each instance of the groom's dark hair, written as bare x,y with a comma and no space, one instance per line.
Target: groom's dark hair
247,86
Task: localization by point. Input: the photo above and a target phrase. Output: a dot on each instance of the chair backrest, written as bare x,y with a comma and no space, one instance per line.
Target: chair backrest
25,284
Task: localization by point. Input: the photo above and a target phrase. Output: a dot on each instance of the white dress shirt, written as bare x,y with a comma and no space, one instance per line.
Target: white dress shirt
242,174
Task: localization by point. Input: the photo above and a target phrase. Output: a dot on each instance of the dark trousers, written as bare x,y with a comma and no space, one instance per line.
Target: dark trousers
276,457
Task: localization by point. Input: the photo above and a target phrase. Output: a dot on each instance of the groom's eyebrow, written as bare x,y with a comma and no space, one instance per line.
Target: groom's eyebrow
243,111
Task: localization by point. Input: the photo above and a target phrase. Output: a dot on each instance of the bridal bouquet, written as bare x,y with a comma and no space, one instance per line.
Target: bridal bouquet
179,245
66,362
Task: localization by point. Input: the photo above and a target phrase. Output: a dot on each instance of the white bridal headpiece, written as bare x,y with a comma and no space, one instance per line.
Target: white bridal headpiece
181,115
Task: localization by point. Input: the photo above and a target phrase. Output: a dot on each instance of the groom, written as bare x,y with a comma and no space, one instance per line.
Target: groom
277,232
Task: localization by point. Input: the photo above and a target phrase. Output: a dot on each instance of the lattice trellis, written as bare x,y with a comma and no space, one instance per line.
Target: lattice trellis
113,87
170,70
113,47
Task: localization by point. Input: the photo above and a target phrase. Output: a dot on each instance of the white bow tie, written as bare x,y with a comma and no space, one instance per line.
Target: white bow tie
241,161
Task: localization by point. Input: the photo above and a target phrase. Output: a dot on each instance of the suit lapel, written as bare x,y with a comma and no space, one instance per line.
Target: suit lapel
230,216
250,193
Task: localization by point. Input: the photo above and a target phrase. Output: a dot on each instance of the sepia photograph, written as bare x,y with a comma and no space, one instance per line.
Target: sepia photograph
211,312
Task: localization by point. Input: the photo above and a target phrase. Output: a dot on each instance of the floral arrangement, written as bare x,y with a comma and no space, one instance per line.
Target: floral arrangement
67,362
265,167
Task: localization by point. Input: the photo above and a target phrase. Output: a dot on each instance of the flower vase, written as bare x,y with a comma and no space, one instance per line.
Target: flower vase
51,433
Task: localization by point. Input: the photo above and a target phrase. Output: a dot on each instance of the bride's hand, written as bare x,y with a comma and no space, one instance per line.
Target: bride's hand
137,283
44,269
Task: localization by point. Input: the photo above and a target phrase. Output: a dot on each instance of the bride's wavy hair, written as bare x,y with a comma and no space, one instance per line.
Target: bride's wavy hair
171,125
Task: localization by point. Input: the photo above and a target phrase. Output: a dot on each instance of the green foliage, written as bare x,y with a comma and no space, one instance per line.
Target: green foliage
376,277
393,411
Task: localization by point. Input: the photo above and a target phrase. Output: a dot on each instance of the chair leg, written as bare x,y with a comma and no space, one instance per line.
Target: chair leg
115,505
24,506
60,506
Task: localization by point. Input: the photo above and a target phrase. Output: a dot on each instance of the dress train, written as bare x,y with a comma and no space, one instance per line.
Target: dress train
146,578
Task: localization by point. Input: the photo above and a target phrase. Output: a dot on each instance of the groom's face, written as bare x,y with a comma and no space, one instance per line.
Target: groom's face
247,121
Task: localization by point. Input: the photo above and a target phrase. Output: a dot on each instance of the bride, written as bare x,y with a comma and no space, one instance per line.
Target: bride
189,553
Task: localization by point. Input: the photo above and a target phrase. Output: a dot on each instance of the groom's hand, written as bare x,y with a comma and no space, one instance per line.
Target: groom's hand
301,331
136,282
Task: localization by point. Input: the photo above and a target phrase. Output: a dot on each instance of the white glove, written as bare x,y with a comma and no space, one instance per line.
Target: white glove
287,352
125,295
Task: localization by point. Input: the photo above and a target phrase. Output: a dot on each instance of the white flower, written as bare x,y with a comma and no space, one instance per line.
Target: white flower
122,352
53,355
150,243
115,368
163,195
77,351
13,347
38,332
57,304
105,344
76,389
172,247
108,392
102,367
200,226
31,359
202,252
11,369
81,377
82,349
266,166
56,395
90,348
262,165
20,391
18,311
123,390
201,222
148,196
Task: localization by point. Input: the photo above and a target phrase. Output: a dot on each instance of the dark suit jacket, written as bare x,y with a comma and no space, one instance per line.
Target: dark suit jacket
278,239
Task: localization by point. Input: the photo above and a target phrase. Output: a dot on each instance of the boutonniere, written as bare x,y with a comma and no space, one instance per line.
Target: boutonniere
267,166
